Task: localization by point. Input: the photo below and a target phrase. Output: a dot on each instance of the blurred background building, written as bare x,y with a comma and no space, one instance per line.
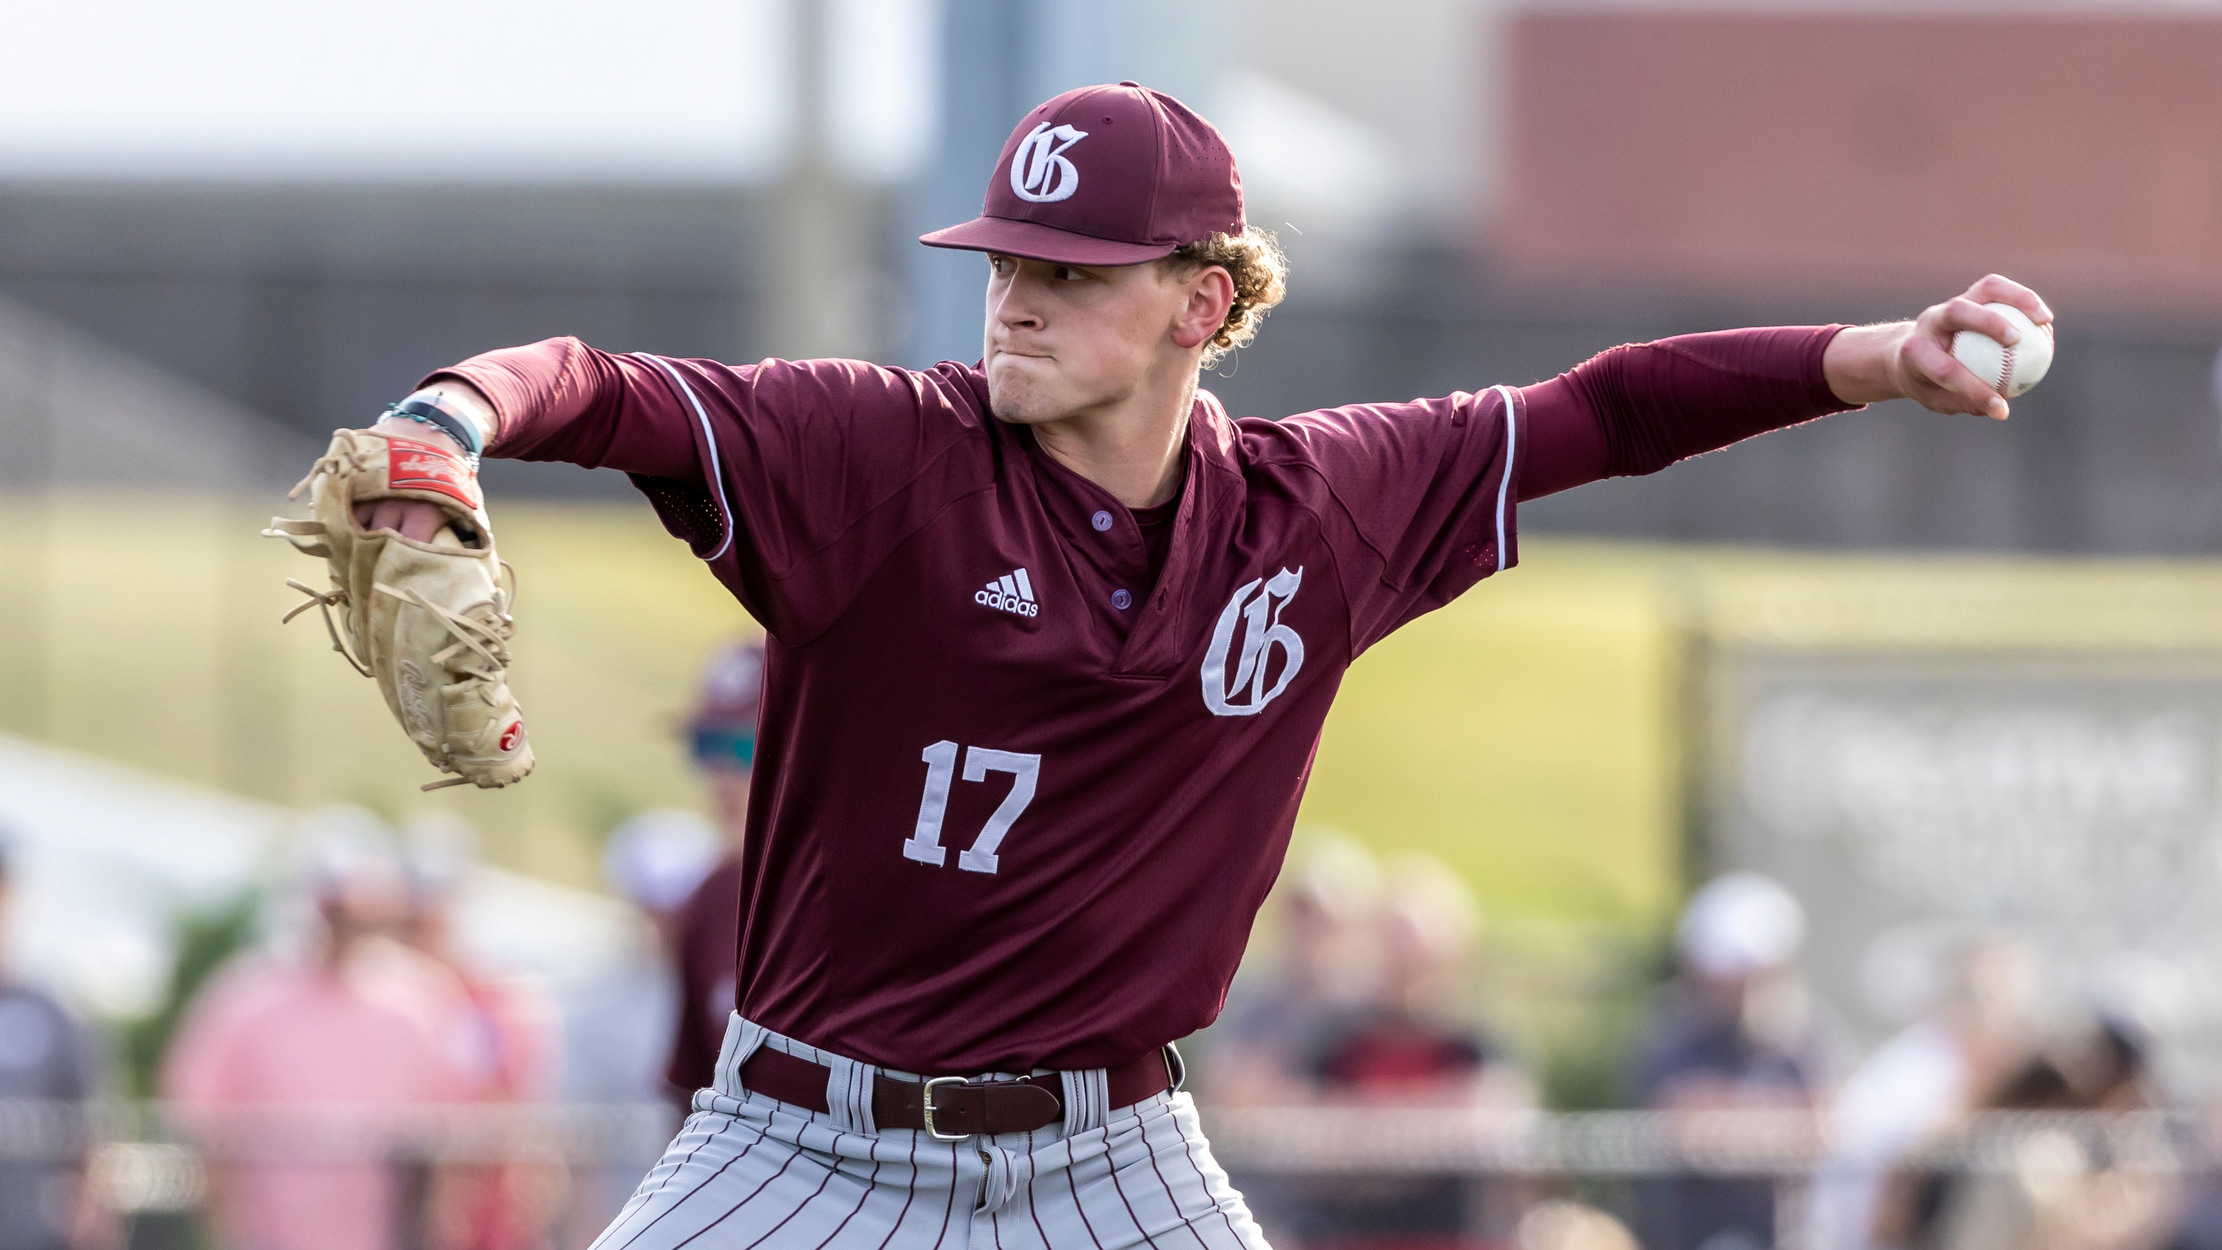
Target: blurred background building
1953,686
1471,190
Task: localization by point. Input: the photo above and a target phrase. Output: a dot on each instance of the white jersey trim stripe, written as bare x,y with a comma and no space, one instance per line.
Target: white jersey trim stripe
1504,483
717,470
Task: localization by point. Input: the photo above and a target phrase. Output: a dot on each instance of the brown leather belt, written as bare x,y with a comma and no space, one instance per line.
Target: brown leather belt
959,1108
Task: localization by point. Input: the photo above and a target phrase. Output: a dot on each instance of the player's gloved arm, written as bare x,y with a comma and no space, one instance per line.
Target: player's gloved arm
553,400
559,399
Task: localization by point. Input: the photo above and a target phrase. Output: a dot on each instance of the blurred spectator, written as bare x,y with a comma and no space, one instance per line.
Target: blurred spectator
2200,1225
2062,1190
1562,1225
1326,961
1364,1006
506,1032
722,736
45,1057
1408,1045
1734,1032
503,1032
1919,1083
618,1037
1405,1043
292,1070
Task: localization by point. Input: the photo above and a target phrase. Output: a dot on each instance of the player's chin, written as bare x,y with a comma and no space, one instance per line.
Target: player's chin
1019,399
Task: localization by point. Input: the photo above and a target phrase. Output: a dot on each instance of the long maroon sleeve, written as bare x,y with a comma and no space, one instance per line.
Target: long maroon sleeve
1639,408
559,399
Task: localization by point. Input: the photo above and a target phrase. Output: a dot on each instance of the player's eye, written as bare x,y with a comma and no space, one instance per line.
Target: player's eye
1066,273
1002,265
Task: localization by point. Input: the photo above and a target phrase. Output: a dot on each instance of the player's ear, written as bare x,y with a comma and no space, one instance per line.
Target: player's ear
1210,293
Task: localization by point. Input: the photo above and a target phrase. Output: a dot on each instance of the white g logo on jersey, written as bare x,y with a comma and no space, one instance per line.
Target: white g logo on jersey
1259,611
1040,174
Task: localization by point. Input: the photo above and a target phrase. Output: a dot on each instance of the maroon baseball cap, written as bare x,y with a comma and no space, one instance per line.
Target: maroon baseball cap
723,723
1105,176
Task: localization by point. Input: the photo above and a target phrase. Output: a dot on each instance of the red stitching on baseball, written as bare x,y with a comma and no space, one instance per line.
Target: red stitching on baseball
2005,368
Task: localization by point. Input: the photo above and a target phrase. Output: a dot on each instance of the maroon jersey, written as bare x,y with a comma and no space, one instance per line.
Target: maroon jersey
1016,800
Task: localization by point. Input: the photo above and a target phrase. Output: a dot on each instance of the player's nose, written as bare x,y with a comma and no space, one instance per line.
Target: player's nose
1014,306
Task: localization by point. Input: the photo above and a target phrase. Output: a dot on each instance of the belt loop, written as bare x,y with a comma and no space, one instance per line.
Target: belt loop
742,1039
1087,1100
849,1086
1176,1067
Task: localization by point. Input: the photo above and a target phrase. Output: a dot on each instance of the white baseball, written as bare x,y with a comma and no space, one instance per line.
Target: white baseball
2009,370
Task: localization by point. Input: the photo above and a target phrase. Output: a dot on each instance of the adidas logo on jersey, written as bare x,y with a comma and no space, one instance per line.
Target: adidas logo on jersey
1013,593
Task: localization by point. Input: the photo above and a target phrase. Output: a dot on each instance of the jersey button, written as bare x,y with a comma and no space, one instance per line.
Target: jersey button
1120,599
1101,520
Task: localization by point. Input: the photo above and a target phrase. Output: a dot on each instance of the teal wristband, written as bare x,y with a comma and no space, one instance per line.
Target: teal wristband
443,421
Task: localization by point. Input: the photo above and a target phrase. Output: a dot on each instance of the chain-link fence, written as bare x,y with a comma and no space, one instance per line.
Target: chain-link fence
160,1174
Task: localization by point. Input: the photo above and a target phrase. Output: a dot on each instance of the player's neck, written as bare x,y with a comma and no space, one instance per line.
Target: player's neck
1134,449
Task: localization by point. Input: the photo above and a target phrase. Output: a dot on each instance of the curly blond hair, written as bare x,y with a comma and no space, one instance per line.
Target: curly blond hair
1260,272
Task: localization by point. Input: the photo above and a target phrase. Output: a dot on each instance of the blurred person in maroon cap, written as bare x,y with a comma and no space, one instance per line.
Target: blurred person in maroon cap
291,1068
1051,639
721,735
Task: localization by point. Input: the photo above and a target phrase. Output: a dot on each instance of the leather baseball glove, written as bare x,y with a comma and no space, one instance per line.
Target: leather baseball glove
428,620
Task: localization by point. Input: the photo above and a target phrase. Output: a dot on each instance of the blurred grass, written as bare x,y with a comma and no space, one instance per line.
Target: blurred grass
145,629
1526,734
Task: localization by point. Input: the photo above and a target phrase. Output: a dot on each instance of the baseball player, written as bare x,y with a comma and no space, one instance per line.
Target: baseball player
1051,639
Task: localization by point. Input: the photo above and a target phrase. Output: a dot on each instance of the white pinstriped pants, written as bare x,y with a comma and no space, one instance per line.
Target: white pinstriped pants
748,1172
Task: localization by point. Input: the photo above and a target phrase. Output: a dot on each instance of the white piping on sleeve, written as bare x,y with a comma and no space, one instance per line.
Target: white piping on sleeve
717,470
1504,483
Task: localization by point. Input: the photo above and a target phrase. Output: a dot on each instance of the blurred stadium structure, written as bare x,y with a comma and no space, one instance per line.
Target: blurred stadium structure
1979,699
1471,191
2015,753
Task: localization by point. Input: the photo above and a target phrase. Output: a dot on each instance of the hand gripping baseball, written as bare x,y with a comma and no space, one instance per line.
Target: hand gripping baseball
1913,359
428,619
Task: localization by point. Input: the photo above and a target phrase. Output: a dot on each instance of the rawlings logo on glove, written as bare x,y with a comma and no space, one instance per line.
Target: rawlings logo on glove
428,620
413,466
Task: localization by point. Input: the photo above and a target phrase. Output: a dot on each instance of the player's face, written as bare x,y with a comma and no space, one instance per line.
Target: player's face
1063,341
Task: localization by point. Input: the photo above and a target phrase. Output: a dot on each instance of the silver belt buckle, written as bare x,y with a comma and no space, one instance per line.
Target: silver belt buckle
927,1114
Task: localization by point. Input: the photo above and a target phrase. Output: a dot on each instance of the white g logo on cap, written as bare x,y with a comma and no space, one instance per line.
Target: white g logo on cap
1040,174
